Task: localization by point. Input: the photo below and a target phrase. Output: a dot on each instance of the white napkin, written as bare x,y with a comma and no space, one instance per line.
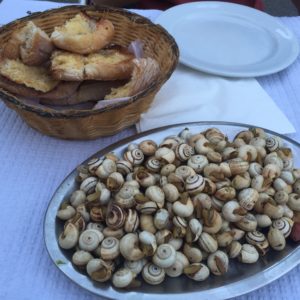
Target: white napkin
191,96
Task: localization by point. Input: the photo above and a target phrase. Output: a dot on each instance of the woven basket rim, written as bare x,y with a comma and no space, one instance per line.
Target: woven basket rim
70,114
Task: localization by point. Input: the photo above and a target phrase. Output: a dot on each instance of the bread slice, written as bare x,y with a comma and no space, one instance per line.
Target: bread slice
31,76
145,71
108,64
29,43
83,34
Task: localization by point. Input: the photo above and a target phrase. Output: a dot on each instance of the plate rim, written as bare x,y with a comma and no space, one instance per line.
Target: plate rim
222,71
223,292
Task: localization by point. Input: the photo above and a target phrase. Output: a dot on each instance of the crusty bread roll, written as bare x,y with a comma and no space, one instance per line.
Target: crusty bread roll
108,64
31,76
29,43
145,71
83,35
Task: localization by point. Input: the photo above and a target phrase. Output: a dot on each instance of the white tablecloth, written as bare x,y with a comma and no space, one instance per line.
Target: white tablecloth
33,165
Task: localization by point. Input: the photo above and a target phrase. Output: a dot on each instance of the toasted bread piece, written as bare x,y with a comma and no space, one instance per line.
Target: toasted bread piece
108,64
67,66
31,76
83,35
29,43
144,72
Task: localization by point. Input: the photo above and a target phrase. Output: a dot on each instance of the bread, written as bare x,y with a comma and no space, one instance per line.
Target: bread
108,64
29,43
83,34
145,71
30,76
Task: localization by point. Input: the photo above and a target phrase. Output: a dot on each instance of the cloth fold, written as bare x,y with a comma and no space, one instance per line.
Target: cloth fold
191,96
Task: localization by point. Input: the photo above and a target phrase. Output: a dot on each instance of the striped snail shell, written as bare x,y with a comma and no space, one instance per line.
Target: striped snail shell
284,225
183,151
197,162
110,248
258,240
153,274
135,156
115,217
93,164
153,164
124,167
194,184
88,185
132,221
273,143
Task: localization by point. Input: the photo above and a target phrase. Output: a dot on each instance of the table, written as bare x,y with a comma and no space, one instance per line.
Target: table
33,165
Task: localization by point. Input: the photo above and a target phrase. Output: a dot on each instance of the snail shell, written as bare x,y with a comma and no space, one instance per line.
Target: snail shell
247,153
242,181
238,166
255,169
247,198
69,237
167,169
153,164
109,232
197,162
225,238
147,208
177,268
107,167
166,155
232,211
135,266
115,217
129,247
135,156
193,254
122,278
202,145
125,196
183,152
196,228
214,157
247,223
132,221
144,177
271,171
124,167
66,213
273,143
156,194
184,207
147,223
284,225
263,220
110,248
97,214
88,185
81,258
234,249
148,147
225,193
294,202
99,270
276,239
114,181
184,171
194,184
281,197
207,243
90,239
197,271
78,197
164,256
153,274
258,240
93,164
161,219
248,254
148,243
218,262
171,192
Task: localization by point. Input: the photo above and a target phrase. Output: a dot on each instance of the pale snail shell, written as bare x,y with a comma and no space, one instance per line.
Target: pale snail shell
194,184
207,243
281,197
197,162
110,248
271,171
232,211
132,221
284,225
248,254
83,212
224,238
218,262
213,172
171,141
69,237
229,153
242,181
93,164
185,134
161,218
258,240
184,207
107,167
90,239
148,147
165,154
135,266
184,171
234,249
247,153
124,167
156,194
117,233
148,243
238,166
247,198
255,169
147,208
197,271
96,226
114,181
177,268
144,177
153,274
183,152
225,193
273,158
81,258
212,220
99,270
177,181
247,223
78,197
97,214
276,239
263,220
164,256
167,169
171,192
125,196
273,143
78,221
176,243
122,278
135,156
196,228
129,247
66,213
214,135
294,202
214,157
88,185
193,254
202,146
115,216
258,142
288,177
245,135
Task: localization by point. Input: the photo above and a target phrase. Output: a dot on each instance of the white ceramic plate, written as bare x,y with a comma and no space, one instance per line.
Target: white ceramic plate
229,39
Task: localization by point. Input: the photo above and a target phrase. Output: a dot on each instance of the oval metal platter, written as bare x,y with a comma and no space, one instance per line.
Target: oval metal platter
240,279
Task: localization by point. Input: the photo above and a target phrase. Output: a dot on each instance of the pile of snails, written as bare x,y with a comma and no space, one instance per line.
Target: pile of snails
184,206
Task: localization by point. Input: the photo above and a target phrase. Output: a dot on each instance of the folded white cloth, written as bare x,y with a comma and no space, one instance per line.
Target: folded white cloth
191,96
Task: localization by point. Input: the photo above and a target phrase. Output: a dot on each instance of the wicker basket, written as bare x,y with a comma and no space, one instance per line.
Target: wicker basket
89,124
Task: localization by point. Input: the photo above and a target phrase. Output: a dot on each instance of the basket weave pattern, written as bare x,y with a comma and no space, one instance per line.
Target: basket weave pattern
89,124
